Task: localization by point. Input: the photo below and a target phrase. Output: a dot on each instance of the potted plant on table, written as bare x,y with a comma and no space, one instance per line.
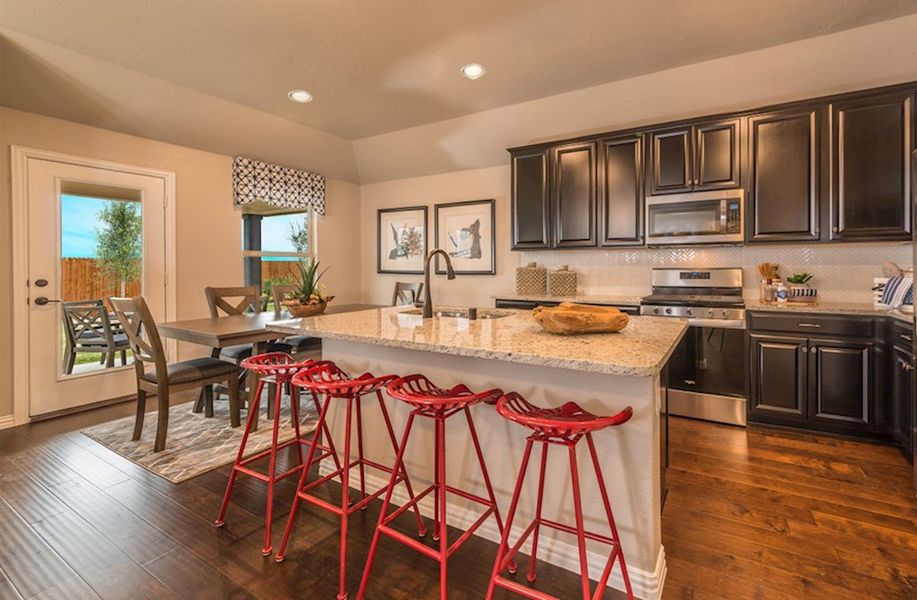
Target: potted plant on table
307,299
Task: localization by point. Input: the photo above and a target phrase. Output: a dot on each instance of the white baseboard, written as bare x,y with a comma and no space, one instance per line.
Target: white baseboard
7,421
647,585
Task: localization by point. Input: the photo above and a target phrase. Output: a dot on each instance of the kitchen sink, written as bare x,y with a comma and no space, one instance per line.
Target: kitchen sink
460,313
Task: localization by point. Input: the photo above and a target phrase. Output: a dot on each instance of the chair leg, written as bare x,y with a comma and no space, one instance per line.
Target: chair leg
503,549
271,394
109,360
272,474
396,468
124,358
199,403
421,528
441,494
162,424
345,501
252,416
235,410
70,360
538,505
208,401
360,451
580,528
141,412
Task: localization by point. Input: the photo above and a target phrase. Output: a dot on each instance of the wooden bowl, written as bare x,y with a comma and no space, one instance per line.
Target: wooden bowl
573,319
300,310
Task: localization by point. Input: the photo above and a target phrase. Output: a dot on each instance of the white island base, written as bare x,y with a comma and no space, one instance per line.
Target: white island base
629,454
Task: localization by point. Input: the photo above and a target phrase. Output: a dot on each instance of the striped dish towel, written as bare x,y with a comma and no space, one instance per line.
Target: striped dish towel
898,291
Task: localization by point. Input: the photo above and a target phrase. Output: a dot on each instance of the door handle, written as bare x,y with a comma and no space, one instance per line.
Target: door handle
813,325
41,300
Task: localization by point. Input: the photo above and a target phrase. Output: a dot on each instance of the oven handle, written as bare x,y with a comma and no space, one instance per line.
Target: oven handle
718,323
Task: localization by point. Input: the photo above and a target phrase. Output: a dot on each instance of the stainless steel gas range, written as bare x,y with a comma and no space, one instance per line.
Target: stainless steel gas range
707,369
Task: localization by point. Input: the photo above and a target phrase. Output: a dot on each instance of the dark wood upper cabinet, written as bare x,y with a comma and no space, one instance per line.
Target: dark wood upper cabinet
573,194
621,191
841,382
871,142
716,155
777,377
782,202
531,220
670,168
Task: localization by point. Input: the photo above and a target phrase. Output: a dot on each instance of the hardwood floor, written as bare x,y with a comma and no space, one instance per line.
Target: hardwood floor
768,513
762,514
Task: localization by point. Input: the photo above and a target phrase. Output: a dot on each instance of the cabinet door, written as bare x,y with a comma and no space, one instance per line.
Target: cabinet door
716,155
783,160
621,191
671,165
902,383
531,217
841,383
573,195
777,377
871,139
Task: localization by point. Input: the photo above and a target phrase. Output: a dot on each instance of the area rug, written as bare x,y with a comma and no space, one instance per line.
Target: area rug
195,444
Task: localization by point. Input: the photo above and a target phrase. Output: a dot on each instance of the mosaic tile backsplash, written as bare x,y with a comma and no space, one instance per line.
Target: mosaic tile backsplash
843,272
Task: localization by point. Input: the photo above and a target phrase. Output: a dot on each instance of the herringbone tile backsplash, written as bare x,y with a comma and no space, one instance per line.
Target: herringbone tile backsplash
843,272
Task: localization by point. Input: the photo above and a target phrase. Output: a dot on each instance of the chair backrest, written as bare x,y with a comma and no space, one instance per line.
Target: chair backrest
232,300
406,293
86,316
278,291
138,324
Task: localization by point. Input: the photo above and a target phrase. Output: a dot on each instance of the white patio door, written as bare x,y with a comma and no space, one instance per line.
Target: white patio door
82,223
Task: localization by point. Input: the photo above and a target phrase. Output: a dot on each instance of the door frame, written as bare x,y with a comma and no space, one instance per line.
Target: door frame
19,158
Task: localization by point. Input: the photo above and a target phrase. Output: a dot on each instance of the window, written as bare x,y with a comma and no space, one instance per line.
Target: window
272,243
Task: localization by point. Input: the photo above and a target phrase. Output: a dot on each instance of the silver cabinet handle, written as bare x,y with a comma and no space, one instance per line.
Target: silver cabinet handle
813,325
690,382
905,365
907,337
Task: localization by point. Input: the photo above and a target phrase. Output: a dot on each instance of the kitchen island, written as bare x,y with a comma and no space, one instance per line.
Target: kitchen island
507,349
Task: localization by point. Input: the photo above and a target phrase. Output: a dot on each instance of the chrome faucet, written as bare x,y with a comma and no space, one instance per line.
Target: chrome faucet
450,274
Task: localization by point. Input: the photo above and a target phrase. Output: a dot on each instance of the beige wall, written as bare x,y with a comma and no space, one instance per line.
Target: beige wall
858,58
450,187
207,229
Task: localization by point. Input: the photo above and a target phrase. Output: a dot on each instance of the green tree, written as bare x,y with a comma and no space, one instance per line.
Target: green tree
119,243
299,234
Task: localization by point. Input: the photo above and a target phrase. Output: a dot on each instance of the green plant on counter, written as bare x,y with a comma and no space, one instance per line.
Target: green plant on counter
799,278
307,277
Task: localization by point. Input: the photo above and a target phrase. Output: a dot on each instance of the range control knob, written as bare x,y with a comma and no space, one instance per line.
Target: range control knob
655,311
689,312
668,311
710,312
725,314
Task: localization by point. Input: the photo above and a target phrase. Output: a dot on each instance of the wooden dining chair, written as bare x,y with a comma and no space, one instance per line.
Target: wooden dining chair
233,301
164,379
406,293
294,344
88,329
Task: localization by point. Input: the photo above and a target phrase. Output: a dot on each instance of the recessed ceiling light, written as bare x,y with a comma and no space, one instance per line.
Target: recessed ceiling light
473,71
301,96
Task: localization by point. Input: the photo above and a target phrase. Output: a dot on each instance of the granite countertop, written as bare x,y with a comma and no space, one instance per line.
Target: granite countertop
639,350
585,299
839,308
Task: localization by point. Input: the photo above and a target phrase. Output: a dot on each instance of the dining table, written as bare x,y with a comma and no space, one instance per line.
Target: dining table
231,330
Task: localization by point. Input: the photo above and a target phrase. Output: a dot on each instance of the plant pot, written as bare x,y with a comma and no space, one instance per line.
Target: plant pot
300,310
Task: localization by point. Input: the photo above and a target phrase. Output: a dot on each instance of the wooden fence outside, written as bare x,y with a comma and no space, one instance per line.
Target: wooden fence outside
81,280
277,269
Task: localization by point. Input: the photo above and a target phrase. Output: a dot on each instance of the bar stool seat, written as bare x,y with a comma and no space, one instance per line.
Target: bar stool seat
276,369
431,401
564,426
330,382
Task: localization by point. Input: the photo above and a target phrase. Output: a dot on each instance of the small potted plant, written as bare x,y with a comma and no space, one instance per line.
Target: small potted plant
799,289
307,299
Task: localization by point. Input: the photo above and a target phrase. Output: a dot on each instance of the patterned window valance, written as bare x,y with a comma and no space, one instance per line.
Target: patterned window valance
283,187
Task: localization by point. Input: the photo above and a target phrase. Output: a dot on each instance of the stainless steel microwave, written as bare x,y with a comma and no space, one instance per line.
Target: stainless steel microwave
715,217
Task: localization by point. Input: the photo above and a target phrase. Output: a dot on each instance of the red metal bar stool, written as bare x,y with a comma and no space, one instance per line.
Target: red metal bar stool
276,369
437,404
564,426
327,380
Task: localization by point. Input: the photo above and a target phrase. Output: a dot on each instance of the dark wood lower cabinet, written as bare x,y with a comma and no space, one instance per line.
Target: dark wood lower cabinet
841,383
777,378
901,385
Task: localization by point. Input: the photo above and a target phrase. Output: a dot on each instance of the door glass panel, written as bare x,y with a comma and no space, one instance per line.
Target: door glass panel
100,253
687,218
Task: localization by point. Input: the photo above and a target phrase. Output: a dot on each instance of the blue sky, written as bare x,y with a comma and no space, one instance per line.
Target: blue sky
79,219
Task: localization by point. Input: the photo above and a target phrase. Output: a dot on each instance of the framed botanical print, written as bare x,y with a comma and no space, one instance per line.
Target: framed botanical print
465,230
401,239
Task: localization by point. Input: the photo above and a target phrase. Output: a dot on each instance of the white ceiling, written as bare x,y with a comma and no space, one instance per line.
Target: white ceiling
385,65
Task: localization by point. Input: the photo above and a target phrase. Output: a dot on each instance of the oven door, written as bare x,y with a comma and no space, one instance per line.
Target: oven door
707,375
711,217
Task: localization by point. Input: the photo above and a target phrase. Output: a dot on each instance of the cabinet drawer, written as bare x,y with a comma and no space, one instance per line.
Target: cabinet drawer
902,336
811,324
